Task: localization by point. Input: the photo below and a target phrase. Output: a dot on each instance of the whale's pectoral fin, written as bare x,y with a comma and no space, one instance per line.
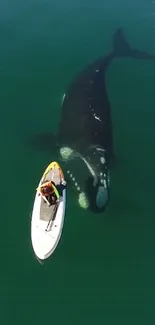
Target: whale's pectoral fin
46,141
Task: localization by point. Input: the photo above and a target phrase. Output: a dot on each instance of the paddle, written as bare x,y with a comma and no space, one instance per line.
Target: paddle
54,214
44,198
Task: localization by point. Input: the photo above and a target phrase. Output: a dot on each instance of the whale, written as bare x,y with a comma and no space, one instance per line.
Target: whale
84,140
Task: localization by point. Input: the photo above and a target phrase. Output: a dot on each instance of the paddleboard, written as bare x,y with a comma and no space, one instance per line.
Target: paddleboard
47,220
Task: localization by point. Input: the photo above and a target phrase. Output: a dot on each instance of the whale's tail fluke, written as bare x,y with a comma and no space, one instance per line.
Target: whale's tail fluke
121,48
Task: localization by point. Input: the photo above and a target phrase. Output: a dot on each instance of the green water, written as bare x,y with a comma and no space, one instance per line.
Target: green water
103,269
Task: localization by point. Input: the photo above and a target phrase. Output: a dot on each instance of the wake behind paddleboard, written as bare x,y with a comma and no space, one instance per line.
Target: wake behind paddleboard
47,221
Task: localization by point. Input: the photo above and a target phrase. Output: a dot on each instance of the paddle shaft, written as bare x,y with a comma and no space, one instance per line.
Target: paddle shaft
44,198
52,218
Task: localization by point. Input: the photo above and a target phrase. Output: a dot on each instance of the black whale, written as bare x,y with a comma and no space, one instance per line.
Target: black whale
84,138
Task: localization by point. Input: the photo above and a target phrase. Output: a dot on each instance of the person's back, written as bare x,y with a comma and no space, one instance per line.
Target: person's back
50,191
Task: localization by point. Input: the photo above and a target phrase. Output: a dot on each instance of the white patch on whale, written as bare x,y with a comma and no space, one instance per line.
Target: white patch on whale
64,95
83,201
66,153
73,179
97,118
100,149
102,159
102,196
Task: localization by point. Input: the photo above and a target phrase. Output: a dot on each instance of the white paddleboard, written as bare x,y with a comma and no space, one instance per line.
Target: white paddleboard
47,221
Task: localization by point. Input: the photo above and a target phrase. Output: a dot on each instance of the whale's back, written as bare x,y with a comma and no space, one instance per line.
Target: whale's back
86,109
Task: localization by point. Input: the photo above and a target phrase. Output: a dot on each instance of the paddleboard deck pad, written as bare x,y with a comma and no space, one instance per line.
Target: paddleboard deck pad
47,220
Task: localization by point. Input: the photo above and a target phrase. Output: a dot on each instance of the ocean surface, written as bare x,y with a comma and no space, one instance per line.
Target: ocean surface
103,270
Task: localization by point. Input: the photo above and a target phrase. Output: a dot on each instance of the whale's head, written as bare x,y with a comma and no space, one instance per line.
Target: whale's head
89,176
97,191
98,181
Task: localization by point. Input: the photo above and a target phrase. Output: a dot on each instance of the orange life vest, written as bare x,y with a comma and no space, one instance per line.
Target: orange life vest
46,189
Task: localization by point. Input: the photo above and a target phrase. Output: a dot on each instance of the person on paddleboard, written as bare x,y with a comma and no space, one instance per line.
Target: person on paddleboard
51,192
